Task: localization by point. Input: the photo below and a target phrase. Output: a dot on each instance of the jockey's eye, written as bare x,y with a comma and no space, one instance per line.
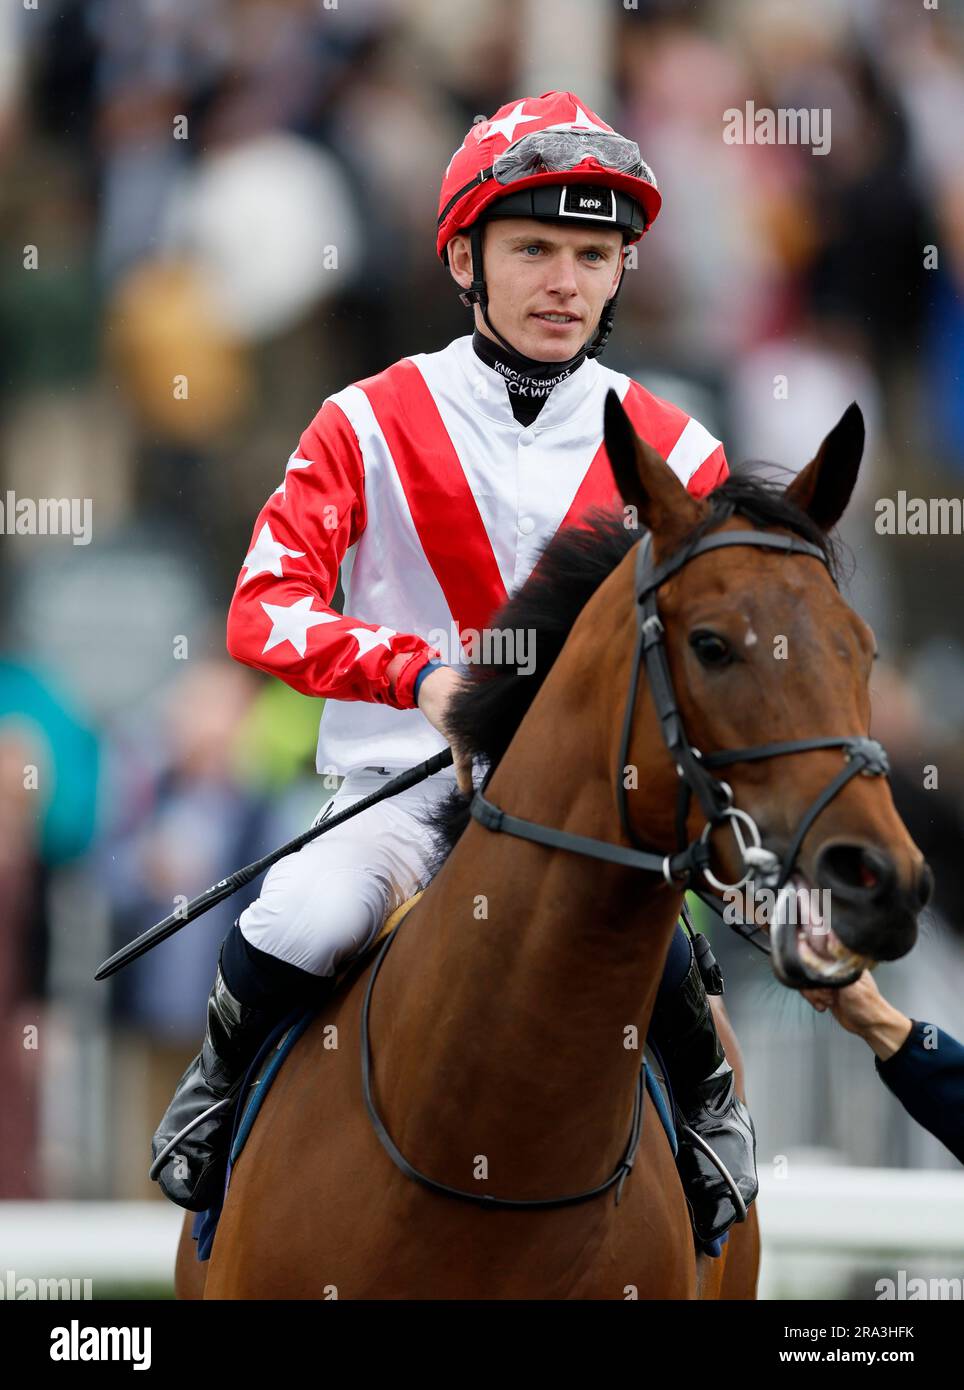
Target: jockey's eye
711,649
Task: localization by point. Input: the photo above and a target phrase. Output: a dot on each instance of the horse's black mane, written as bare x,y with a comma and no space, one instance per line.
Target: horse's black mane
484,717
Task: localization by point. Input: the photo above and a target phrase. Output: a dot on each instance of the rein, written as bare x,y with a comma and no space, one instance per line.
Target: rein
618,1177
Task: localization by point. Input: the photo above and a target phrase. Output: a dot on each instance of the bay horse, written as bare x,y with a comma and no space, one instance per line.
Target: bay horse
505,1027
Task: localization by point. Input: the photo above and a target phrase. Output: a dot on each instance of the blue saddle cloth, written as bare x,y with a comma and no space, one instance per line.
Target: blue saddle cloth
269,1061
257,1083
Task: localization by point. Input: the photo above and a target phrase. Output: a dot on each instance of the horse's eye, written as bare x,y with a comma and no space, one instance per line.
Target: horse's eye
711,649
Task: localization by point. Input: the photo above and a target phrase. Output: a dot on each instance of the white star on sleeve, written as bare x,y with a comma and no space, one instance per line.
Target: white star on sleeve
293,462
292,624
267,555
367,640
506,126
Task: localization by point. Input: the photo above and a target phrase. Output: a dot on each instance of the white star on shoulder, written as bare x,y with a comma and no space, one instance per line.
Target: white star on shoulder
291,624
293,462
367,641
267,555
506,126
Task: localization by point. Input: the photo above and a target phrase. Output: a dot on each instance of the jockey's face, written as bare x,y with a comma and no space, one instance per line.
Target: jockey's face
536,268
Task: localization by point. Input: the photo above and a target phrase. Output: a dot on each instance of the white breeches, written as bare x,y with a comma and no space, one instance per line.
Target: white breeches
325,903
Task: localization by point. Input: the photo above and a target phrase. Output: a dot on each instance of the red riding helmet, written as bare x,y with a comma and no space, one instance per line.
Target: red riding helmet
543,143
550,158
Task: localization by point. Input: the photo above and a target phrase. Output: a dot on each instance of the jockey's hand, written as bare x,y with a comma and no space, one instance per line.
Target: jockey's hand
434,694
862,1009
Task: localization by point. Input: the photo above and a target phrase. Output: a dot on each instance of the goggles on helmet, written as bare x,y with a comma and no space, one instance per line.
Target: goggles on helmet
559,151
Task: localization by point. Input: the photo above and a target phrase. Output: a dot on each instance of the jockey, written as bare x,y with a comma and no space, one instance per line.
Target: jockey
433,486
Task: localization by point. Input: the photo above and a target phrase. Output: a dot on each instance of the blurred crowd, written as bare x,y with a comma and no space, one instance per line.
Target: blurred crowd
240,196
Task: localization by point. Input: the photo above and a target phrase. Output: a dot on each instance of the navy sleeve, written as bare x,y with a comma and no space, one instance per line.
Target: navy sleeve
926,1074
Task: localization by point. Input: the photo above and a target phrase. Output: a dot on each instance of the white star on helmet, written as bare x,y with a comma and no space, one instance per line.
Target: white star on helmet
506,125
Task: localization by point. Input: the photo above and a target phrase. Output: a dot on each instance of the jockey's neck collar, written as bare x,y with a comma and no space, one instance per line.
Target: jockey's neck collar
528,381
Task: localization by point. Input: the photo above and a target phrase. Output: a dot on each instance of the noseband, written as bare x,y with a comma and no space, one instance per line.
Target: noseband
691,862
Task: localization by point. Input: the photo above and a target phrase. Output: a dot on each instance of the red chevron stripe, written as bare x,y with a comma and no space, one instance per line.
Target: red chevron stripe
444,511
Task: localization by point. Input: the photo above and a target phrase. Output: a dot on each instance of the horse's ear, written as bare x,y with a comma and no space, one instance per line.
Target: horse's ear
646,481
823,488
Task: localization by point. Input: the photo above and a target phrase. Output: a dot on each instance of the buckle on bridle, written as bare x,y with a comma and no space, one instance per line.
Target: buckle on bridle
871,753
765,863
653,630
734,815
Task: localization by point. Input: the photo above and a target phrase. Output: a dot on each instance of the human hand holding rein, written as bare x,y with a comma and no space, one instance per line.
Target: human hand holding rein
436,691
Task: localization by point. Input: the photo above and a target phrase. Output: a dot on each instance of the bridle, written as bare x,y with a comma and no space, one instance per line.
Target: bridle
691,861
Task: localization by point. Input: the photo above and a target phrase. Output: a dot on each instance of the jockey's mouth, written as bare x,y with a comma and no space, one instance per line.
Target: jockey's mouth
805,950
557,316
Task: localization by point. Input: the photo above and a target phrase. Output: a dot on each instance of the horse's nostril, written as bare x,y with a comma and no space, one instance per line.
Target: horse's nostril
868,872
868,879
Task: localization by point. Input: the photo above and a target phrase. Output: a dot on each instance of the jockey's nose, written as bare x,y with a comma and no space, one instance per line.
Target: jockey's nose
562,276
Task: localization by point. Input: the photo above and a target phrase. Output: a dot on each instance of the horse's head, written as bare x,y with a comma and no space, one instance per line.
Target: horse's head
762,650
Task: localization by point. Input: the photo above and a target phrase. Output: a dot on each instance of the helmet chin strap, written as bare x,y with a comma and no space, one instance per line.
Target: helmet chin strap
478,294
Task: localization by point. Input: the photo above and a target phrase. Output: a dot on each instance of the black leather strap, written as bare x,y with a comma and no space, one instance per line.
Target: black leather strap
617,1178
853,769
492,817
855,745
655,575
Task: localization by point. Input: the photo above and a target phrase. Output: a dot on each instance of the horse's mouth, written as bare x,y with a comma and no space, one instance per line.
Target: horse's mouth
805,951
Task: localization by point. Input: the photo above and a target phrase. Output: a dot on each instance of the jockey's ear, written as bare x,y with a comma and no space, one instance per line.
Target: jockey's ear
460,260
823,488
646,481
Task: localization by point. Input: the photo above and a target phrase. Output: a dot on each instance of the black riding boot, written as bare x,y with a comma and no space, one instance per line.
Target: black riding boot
239,1019
702,1081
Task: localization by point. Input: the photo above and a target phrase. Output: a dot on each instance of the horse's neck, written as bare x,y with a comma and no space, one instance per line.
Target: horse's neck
512,1010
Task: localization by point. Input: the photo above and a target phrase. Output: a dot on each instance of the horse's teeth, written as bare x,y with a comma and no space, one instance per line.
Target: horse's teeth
844,961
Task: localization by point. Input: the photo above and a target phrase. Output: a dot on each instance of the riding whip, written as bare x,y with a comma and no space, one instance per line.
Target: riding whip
226,886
